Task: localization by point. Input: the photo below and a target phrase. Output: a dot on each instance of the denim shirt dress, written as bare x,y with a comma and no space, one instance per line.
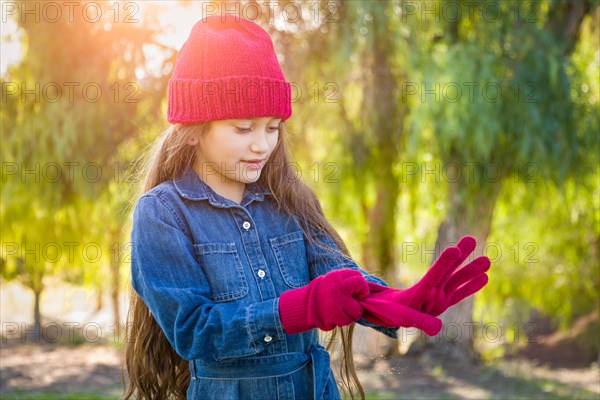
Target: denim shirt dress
211,272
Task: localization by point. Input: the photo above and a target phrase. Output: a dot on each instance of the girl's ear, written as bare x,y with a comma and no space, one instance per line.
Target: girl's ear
192,140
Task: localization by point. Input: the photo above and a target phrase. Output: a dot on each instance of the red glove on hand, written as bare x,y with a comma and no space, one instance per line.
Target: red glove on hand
438,290
328,301
384,312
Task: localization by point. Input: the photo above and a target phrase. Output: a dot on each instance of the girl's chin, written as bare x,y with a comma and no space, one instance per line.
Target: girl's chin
250,175
248,178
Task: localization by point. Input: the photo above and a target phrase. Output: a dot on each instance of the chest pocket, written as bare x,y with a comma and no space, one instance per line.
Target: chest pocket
223,270
290,253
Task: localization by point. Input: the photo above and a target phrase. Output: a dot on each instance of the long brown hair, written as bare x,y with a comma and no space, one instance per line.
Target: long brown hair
154,369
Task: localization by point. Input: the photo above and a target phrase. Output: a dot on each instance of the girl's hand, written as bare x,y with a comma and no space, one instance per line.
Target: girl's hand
381,311
328,301
441,287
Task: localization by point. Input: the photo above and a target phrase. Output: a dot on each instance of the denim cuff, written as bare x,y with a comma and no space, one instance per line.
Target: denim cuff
375,279
264,324
391,332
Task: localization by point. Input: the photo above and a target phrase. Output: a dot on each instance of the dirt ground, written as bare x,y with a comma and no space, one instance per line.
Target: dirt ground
553,368
32,367
33,370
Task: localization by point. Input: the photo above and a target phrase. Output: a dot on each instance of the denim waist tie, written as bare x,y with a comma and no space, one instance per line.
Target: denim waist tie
269,366
320,364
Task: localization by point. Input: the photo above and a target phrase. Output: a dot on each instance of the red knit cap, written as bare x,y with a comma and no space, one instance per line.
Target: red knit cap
227,69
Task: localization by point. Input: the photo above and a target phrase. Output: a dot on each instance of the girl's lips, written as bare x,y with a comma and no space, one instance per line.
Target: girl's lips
254,163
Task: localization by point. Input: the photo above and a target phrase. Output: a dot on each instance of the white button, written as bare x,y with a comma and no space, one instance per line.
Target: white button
246,225
268,338
261,273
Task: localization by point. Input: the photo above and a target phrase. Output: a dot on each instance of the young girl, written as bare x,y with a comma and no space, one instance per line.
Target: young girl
233,262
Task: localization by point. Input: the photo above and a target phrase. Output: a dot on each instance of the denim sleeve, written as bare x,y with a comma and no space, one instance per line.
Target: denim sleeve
168,278
322,260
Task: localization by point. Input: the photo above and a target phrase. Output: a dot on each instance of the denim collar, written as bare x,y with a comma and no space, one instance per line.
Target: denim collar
191,187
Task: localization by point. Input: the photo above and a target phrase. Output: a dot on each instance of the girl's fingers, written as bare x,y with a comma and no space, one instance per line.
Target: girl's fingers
466,245
440,268
436,309
376,287
466,273
374,318
408,318
395,315
356,287
374,311
353,311
468,289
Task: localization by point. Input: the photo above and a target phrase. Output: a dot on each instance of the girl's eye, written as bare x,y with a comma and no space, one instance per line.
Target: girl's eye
243,130
246,130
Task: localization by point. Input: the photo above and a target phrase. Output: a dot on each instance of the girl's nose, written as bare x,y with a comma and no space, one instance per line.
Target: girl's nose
259,141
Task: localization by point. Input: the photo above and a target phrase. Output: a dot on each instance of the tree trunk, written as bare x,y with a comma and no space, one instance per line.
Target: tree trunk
37,316
115,279
564,21
34,280
382,228
470,208
384,119
467,215
99,299
381,238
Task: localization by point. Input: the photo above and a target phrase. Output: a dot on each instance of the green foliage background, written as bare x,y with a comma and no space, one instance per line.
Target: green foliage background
542,134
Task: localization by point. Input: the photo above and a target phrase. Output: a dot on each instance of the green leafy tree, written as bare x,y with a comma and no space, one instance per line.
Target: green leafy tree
520,115
89,93
526,128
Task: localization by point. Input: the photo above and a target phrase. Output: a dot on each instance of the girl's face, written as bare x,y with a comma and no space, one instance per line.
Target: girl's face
233,152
